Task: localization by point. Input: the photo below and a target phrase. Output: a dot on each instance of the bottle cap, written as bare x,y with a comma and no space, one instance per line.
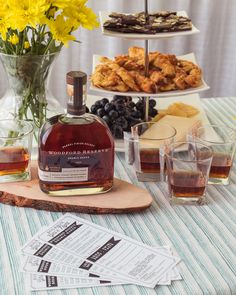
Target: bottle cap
76,77
76,88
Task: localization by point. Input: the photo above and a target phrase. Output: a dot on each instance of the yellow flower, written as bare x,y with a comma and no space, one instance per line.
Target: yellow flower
83,15
14,39
26,45
3,29
61,29
26,13
3,20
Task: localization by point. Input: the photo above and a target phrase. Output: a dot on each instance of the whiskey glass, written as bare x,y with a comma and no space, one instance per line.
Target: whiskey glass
186,171
15,150
222,139
147,137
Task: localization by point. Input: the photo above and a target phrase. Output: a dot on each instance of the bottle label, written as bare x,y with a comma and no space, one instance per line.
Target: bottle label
75,166
65,175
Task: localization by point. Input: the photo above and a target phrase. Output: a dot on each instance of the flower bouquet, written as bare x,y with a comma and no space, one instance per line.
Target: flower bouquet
32,33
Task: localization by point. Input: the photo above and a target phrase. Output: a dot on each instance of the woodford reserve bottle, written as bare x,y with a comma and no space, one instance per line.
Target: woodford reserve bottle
76,149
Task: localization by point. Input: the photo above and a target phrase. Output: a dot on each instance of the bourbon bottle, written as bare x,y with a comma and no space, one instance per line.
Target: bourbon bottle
76,149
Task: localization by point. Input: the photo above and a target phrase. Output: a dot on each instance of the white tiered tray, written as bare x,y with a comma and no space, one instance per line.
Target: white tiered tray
190,57
104,16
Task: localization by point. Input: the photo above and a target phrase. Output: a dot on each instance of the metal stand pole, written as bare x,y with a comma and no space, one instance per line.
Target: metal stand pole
146,9
146,63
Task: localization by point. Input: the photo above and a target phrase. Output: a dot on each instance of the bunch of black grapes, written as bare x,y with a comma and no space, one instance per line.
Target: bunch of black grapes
121,113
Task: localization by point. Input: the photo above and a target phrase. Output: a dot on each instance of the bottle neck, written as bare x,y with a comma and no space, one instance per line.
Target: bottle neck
75,111
77,97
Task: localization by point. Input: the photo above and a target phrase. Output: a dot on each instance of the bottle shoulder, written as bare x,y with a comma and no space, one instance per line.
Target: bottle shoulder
85,119
66,129
65,120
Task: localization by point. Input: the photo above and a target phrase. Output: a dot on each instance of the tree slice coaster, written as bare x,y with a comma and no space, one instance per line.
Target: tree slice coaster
123,198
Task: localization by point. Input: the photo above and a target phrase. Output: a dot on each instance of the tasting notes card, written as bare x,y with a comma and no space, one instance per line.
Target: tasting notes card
76,253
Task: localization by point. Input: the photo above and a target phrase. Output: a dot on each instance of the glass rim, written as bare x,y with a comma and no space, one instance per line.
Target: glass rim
230,141
26,123
29,55
152,139
189,161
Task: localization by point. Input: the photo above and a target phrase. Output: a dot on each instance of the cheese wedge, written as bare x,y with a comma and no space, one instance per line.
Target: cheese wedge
182,126
177,109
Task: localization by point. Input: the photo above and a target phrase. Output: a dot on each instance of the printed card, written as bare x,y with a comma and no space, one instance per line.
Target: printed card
74,253
111,250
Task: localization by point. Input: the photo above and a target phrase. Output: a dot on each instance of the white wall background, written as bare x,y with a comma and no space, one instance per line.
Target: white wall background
215,46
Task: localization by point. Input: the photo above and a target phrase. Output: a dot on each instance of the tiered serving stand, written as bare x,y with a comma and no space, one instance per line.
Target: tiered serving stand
147,38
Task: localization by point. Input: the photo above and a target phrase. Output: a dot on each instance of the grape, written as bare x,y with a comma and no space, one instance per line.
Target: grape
153,112
104,101
109,107
117,97
98,103
139,105
119,101
100,112
120,109
126,113
131,104
113,114
121,121
106,119
136,114
94,109
128,98
117,131
152,103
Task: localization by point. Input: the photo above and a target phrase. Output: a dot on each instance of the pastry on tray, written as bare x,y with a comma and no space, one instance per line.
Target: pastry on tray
163,21
126,73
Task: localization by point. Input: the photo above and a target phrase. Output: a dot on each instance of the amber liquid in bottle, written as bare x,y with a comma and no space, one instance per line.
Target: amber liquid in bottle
76,151
86,148
13,160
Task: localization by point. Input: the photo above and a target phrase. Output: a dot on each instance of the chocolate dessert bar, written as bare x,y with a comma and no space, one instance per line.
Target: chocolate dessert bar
163,21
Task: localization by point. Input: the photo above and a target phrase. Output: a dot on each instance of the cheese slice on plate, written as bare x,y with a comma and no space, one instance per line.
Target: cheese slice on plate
182,126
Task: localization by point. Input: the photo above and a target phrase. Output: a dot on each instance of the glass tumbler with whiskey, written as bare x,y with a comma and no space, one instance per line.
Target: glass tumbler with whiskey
187,171
146,140
76,149
15,150
222,140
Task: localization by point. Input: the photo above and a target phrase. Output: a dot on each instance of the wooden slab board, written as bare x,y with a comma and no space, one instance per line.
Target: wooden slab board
123,198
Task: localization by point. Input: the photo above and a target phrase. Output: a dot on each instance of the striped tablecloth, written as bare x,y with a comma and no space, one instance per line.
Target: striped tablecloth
204,237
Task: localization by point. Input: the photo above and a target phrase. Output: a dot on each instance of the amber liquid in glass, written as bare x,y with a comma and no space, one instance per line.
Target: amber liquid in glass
187,184
220,167
150,160
13,160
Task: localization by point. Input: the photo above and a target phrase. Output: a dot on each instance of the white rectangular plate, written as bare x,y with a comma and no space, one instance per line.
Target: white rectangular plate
163,103
189,57
104,16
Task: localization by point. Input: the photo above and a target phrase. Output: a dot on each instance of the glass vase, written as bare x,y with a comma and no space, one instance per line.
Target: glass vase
28,97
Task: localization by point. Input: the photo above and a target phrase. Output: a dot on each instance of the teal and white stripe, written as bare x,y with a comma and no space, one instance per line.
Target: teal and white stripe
204,237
